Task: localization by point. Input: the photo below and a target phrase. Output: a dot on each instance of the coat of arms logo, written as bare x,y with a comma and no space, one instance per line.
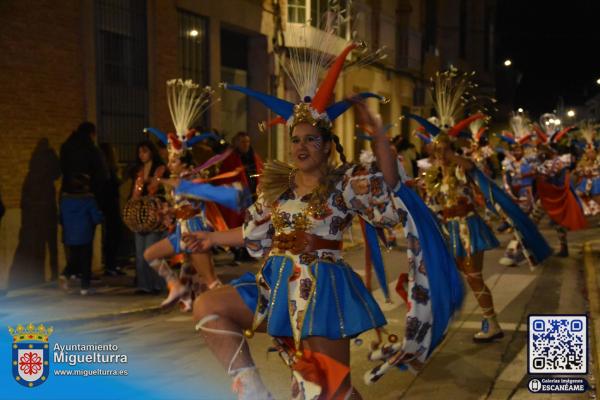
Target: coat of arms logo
30,354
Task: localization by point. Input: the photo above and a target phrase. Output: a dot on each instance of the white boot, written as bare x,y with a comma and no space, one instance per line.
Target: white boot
248,385
490,331
513,254
176,292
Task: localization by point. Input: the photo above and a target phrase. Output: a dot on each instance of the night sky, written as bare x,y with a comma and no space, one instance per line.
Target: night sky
555,45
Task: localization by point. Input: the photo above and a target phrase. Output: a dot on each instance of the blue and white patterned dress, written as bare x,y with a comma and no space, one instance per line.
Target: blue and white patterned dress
315,293
318,294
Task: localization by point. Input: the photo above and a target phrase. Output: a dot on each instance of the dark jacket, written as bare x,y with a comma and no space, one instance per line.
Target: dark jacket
79,215
79,155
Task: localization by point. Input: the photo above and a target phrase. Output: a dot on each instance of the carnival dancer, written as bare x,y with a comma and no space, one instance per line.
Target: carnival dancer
518,177
431,255
480,152
556,197
451,182
242,157
192,197
305,295
587,171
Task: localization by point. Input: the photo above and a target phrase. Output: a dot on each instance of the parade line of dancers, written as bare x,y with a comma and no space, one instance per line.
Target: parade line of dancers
304,295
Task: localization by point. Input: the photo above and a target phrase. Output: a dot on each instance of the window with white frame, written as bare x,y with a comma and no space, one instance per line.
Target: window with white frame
314,11
297,11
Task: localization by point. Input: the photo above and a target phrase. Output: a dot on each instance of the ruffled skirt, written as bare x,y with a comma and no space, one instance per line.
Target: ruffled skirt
470,235
338,303
194,224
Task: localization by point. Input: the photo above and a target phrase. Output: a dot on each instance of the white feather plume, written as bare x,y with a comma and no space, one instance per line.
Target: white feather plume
520,125
187,101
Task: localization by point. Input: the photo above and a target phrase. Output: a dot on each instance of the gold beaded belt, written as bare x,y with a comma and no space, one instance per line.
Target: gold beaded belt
186,212
457,211
298,242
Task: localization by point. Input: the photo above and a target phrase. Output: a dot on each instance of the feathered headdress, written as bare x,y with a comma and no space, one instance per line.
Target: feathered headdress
507,137
478,129
588,131
187,102
450,92
521,127
309,56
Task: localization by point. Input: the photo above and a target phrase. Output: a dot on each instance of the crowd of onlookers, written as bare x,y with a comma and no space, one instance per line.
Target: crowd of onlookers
90,195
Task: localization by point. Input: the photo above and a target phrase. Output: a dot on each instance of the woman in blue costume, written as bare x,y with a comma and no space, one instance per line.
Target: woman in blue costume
305,295
451,183
189,198
518,175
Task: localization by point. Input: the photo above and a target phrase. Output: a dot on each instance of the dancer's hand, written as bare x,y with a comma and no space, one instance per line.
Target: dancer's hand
368,121
198,242
386,160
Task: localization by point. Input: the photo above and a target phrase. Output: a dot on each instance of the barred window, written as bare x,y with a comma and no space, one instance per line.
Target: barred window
192,54
121,74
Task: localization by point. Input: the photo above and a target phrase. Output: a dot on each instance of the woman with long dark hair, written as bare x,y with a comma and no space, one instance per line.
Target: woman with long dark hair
149,168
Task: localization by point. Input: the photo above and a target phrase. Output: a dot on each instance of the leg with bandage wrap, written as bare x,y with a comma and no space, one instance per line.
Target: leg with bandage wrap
176,289
228,344
490,329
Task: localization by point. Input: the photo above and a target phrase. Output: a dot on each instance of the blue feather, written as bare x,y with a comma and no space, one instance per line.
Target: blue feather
158,134
280,107
206,135
429,127
337,109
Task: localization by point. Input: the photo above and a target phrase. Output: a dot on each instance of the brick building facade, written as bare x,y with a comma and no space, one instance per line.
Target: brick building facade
63,62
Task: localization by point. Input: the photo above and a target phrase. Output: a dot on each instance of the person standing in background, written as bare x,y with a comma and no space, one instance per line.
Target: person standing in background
110,206
149,166
79,156
244,156
79,215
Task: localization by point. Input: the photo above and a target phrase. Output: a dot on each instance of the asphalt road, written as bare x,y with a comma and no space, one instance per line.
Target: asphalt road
459,368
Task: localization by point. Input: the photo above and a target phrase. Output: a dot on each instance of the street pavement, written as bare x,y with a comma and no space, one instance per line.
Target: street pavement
458,369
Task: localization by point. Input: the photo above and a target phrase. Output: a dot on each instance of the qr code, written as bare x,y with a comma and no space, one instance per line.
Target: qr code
558,344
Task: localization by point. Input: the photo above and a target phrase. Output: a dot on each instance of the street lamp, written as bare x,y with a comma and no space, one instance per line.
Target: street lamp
507,62
598,81
193,33
519,110
571,113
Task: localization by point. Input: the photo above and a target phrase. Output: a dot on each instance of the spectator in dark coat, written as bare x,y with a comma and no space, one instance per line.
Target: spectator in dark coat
79,215
80,155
